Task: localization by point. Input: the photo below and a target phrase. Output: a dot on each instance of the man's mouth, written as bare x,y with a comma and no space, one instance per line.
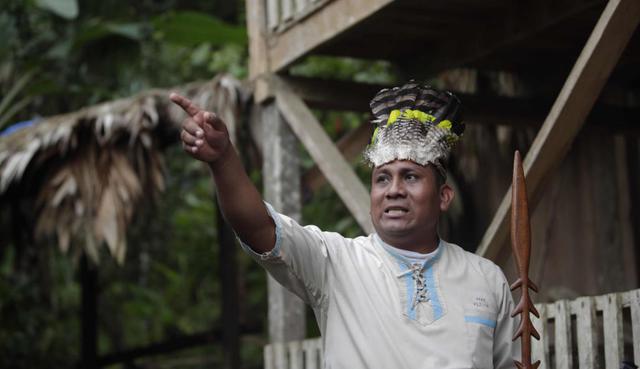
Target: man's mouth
396,210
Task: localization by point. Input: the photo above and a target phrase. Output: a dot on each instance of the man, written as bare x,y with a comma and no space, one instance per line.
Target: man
399,298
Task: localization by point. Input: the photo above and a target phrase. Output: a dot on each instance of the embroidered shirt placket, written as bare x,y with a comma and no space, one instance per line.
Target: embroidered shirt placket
422,294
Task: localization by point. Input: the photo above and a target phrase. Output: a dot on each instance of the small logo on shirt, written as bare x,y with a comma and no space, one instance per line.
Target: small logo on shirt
480,302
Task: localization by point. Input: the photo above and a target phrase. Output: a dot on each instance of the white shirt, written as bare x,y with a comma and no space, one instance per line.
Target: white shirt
375,309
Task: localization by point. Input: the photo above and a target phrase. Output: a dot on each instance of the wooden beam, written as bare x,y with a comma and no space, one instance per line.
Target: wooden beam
478,109
320,27
257,29
333,165
350,146
585,82
331,94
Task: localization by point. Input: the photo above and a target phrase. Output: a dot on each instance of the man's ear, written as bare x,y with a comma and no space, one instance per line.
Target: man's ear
446,196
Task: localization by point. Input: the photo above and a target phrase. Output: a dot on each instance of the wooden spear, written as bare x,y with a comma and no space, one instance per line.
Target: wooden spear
521,245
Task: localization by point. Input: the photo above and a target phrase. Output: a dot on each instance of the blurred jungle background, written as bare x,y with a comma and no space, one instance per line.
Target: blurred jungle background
160,305
113,253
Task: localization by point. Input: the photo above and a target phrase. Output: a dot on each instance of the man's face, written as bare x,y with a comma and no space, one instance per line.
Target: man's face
406,202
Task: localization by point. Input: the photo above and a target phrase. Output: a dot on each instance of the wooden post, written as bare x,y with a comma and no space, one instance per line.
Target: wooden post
613,339
312,353
635,323
89,314
257,29
564,358
540,348
586,331
281,176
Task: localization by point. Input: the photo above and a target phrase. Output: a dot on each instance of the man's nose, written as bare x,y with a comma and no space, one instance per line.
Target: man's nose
396,188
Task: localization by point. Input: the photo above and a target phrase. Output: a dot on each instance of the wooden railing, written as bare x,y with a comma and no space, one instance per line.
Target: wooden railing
282,14
608,323
306,354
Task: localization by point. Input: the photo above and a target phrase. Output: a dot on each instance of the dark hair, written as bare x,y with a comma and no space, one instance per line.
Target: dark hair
440,179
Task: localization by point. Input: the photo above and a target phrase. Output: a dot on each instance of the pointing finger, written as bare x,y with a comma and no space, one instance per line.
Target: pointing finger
186,104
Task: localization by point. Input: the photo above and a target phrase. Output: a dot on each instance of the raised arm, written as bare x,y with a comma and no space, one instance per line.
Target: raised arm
205,137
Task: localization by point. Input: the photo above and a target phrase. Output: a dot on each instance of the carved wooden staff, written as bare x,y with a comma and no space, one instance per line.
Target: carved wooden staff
521,244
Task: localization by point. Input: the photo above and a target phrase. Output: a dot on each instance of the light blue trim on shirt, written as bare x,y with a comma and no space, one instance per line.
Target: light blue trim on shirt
480,320
433,292
408,282
431,283
275,252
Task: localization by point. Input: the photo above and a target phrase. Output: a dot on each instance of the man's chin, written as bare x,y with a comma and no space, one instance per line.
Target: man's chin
394,230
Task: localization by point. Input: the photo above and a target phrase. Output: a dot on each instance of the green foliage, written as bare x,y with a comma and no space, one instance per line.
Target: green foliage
346,68
59,56
65,8
96,29
173,262
10,105
169,286
193,28
37,333
108,49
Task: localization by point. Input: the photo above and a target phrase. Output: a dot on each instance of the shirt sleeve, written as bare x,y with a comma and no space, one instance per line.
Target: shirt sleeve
298,260
505,351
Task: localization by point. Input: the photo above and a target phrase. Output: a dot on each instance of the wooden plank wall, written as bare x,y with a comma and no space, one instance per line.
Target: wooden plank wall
583,240
573,104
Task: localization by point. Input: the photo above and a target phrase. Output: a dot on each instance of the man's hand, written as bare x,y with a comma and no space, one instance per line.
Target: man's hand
204,136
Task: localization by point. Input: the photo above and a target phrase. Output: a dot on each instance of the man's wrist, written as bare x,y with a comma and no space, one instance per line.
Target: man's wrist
223,160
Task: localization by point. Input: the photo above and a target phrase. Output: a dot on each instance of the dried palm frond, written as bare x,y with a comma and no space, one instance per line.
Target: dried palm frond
94,167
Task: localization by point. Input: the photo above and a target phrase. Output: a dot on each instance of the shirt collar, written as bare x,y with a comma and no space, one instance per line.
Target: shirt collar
401,265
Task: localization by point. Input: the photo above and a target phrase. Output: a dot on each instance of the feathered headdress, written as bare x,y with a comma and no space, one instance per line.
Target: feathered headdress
414,122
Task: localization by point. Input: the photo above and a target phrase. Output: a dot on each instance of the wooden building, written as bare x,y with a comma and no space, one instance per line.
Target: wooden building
572,108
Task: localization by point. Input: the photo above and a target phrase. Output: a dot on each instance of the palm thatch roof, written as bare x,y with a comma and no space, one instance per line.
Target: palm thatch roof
87,172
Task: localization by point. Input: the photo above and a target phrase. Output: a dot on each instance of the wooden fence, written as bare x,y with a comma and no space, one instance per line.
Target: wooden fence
585,333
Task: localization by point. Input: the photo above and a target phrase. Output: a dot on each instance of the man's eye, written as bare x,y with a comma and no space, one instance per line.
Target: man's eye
411,177
381,179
